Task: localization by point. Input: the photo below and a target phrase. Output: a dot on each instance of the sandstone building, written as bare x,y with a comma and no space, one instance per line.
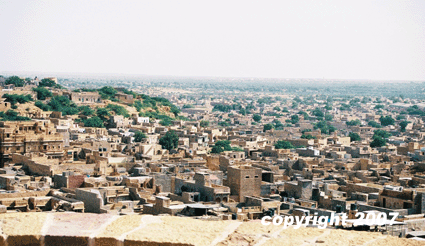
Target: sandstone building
29,136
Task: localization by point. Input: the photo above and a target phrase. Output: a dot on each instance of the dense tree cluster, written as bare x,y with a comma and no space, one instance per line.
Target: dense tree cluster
47,82
169,141
386,120
374,124
16,98
59,103
11,115
379,138
281,144
224,145
139,136
308,136
354,136
256,117
15,80
204,123
353,123
325,127
42,93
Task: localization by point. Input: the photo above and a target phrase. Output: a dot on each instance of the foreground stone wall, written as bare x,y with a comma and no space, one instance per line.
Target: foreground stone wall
105,229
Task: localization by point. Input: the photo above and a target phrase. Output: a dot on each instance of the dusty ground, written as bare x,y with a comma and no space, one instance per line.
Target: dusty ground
181,230
121,225
22,223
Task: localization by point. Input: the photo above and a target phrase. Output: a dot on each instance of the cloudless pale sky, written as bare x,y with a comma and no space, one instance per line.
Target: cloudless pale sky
341,39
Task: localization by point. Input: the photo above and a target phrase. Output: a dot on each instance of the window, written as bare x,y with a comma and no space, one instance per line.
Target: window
247,177
256,176
45,147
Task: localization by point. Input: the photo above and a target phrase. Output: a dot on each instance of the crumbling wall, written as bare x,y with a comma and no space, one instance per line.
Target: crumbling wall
40,169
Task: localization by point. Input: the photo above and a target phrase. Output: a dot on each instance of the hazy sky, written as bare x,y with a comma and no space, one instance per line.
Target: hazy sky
279,39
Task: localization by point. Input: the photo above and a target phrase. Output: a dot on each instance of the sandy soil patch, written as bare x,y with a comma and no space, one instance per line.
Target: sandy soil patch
395,241
22,223
181,230
291,236
121,225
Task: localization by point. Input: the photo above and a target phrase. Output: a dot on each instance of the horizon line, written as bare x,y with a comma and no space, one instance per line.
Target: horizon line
89,74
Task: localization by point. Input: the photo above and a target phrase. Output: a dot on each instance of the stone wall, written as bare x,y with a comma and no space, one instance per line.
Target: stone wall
92,199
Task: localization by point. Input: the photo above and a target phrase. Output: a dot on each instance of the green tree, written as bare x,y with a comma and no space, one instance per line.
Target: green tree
15,80
403,125
86,110
304,114
166,122
188,106
222,108
381,133
256,118
63,104
318,113
42,93
401,117
118,109
47,82
42,106
16,98
328,117
220,146
139,136
204,123
267,127
107,92
386,120
281,144
277,124
295,119
375,124
378,142
353,123
103,114
354,136
325,127
169,141
93,122
11,115
308,136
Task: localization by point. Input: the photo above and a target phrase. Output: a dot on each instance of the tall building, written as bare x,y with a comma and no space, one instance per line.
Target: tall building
29,136
244,181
